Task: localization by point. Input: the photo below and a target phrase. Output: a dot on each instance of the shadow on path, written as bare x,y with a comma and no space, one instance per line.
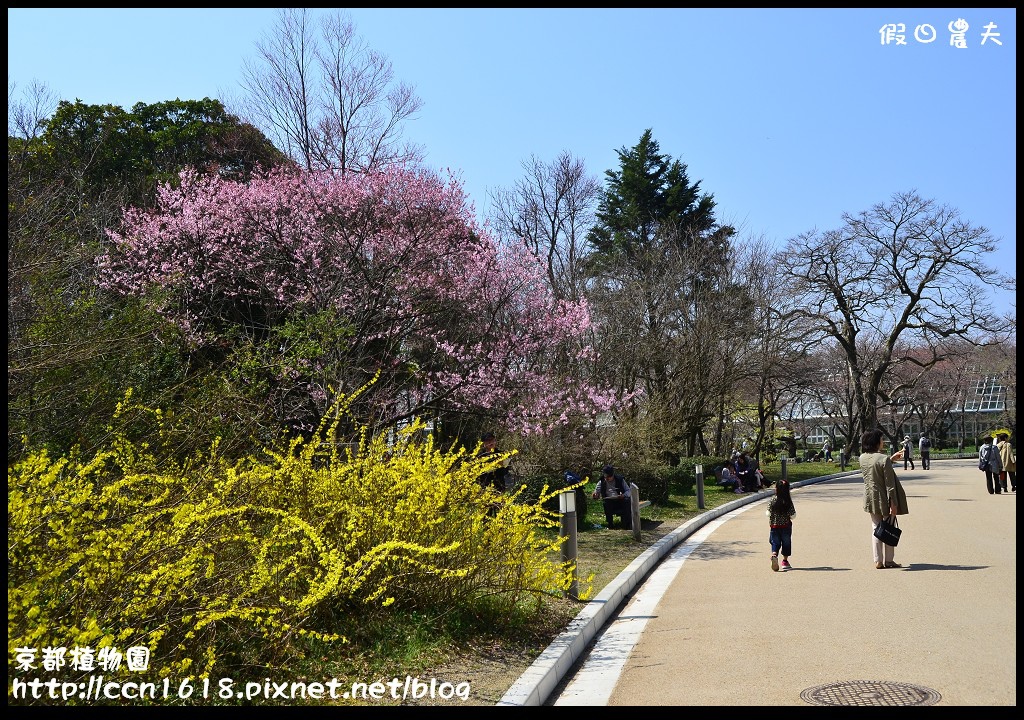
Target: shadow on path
823,568
930,566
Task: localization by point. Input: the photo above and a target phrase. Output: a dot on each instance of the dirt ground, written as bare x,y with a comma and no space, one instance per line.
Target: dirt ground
492,668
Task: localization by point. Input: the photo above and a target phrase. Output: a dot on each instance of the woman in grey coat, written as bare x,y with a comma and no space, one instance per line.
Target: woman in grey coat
883,494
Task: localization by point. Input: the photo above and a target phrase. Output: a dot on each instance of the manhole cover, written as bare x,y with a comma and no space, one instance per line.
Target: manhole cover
870,693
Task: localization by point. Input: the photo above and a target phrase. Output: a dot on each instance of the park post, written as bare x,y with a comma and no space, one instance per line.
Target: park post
785,471
634,509
567,506
700,486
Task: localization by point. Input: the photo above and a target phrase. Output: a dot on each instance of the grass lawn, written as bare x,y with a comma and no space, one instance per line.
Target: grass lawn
605,553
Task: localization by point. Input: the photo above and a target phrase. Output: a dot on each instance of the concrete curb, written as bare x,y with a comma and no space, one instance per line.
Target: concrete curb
535,686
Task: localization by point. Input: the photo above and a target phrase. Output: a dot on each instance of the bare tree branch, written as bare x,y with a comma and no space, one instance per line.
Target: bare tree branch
327,98
551,208
890,286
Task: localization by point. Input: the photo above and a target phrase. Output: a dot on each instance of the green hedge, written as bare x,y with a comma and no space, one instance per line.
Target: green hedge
535,485
657,482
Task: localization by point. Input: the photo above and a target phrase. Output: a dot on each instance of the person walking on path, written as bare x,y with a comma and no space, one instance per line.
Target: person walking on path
908,453
883,494
925,445
780,524
991,464
1009,461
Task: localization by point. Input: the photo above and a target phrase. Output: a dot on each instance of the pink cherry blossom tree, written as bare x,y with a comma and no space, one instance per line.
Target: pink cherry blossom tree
322,281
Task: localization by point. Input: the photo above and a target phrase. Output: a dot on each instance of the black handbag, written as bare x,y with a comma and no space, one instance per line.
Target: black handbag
888,532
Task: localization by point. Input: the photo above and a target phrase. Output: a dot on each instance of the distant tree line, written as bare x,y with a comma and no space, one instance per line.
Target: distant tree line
241,273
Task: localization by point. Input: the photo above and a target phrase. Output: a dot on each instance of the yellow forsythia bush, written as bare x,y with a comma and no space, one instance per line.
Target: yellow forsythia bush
209,561
411,524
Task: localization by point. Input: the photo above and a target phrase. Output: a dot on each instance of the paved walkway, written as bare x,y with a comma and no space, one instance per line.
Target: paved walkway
705,621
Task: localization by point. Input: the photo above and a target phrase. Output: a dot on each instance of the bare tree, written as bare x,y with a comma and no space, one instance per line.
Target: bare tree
362,125
940,398
326,98
552,209
836,396
27,116
906,274
899,407
670,324
1010,382
778,360
282,100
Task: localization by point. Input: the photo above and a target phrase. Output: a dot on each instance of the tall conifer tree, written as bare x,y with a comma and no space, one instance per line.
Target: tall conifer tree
659,284
650,198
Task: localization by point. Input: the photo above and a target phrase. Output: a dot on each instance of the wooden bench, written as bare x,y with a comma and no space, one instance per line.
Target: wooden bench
636,505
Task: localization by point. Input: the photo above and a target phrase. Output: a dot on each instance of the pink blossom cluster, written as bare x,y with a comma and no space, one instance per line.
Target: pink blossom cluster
397,254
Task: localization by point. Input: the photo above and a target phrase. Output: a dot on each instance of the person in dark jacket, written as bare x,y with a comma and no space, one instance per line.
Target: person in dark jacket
496,477
991,463
741,467
612,489
925,446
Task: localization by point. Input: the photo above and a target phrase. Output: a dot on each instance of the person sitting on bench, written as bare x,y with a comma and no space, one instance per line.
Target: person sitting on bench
614,491
745,474
727,479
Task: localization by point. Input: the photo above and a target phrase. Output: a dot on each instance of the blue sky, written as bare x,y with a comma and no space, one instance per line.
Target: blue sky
787,117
